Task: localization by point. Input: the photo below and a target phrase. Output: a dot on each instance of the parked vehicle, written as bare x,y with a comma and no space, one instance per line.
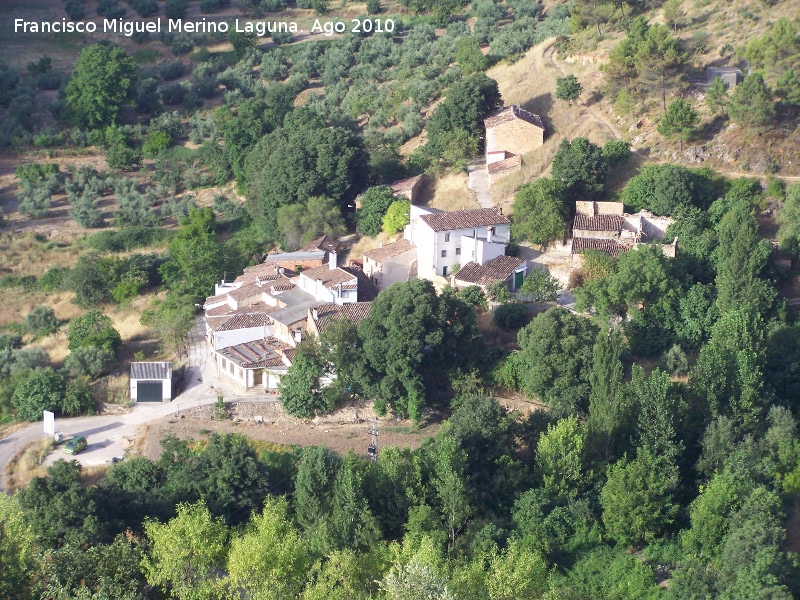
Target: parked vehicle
75,445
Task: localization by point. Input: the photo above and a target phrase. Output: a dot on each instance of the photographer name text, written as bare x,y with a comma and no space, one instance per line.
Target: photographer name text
258,28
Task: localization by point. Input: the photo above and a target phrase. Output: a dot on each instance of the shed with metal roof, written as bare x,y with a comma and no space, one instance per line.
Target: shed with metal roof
151,381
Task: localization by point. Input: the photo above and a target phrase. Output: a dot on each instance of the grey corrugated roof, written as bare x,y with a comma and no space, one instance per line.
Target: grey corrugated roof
290,256
298,302
151,370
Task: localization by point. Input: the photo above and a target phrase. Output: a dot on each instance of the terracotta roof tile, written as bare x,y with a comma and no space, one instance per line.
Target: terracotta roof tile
612,247
465,219
330,277
598,223
497,269
248,290
507,164
404,185
256,354
215,299
327,313
510,113
245,321
389,250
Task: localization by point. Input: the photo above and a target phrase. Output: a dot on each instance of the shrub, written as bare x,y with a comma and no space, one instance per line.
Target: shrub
172,70
511,315
498,292
473,296
42,390
172,93
396,217
75,9
77,400
42,320
144,8
176,9
675,361
89,360
155,143
110,9
53,279
127,239
93,329
34,172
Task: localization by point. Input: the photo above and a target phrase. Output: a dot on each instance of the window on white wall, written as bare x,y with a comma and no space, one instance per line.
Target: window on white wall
447,236
458,251
444,253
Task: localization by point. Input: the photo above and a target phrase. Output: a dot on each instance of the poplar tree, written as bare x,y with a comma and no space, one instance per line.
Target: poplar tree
605,403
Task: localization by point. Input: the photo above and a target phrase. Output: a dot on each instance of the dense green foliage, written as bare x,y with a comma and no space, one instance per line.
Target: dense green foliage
374,204
102,81
581,166
540,212
556,350
300,160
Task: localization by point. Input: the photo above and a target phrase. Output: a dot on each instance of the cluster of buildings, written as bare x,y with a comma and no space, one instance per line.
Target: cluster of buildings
605,226
254,323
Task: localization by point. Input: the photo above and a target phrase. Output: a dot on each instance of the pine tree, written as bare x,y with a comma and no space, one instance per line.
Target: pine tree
680,120
717,96
752,105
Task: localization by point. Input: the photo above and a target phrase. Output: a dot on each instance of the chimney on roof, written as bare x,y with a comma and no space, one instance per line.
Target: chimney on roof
315,313
332,260
276,266
489,234
501,210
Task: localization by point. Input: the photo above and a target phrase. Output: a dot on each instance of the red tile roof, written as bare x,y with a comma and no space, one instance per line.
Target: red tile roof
330,277
497,269
465,219
612,247
598,223
257,354
248,290
507,164
404,185
389,250
510,113
245,321
327,313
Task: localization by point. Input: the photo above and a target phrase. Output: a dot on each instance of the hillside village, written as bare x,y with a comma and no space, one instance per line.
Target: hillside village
490,300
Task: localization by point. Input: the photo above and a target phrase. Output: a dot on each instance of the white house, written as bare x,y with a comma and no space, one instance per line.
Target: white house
391,263
254,323
446,241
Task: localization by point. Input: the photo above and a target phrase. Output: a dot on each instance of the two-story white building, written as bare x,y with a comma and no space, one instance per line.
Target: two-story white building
446,241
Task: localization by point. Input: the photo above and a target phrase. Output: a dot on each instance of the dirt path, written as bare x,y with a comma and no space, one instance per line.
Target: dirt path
549,53
479,183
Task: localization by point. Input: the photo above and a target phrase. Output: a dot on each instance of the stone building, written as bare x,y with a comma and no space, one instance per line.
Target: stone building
510,132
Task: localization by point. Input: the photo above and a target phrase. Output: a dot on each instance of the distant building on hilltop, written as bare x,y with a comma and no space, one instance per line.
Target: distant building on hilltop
510,132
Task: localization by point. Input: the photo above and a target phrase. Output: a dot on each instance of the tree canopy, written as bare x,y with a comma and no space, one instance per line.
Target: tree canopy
540,213
556,351
103,79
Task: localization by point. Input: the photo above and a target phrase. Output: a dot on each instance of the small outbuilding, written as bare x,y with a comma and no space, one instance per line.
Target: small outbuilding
151,381
731,76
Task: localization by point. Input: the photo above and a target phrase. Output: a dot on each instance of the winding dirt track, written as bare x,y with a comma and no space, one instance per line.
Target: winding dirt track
601,120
